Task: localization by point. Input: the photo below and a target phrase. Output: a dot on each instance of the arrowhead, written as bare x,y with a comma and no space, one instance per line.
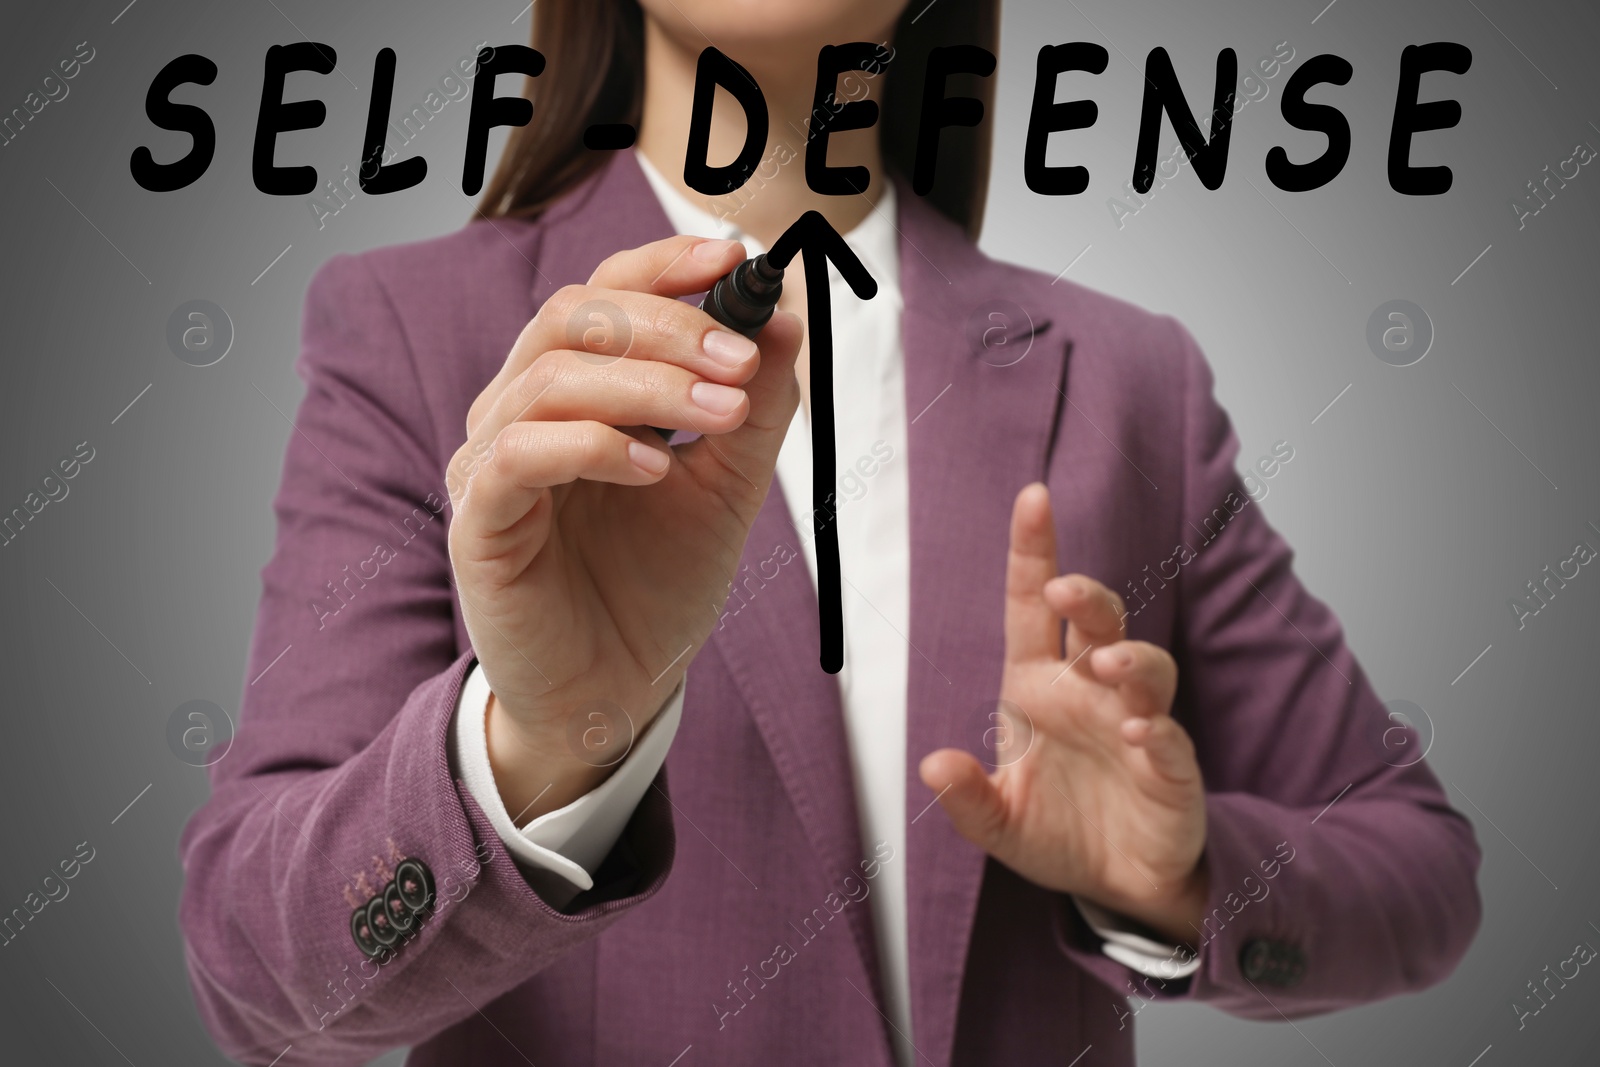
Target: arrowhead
813,232
821,243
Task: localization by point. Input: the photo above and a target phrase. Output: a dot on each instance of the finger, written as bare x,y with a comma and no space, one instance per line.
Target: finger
611,324
1093,612
564,386
1033,630
1166,745
968,796
530,457
739,463
676,266
1145,674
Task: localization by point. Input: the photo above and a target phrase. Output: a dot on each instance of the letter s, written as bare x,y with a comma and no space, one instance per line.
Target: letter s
1321,118
185,118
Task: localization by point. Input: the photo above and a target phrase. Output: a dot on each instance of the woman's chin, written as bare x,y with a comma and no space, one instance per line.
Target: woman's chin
752,26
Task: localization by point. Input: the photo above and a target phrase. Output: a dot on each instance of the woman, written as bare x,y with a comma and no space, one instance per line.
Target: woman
556,778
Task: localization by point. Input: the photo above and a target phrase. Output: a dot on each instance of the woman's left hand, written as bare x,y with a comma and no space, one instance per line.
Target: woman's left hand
1097,792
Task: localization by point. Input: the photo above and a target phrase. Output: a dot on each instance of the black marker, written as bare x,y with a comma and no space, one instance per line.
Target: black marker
742,300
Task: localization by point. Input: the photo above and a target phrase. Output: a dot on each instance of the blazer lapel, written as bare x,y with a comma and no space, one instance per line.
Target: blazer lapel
984,419
769,642
767,637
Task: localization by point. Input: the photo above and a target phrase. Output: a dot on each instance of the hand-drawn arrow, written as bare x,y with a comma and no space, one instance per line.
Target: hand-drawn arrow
819,242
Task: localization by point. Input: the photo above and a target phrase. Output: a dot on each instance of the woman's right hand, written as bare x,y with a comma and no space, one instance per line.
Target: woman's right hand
591,560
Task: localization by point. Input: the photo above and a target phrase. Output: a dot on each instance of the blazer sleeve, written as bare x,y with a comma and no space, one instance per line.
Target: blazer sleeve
1339,871
340,768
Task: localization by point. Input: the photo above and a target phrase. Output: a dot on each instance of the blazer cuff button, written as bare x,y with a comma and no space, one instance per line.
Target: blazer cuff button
1255,960
361,932
1272,963
414,882
378,922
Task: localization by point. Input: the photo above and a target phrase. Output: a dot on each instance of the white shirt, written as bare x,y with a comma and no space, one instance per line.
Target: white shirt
872,498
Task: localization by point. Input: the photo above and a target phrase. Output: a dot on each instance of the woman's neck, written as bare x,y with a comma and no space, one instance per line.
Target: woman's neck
777,193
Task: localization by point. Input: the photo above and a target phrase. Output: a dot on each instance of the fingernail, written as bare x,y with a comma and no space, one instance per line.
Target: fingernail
727,349
717,399
646,458
711,251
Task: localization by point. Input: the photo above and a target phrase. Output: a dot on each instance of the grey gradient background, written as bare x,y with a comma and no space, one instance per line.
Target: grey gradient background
1419,502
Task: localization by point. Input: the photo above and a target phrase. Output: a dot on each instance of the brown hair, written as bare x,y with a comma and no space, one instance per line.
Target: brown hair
546,159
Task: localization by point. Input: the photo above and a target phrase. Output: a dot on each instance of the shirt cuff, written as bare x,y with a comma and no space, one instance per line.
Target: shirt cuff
1128,946
574,840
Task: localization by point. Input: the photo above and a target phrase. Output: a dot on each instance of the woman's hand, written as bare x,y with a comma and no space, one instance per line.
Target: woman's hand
1098,792
591,560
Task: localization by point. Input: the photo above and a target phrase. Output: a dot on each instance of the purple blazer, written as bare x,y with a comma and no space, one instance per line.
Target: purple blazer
732,917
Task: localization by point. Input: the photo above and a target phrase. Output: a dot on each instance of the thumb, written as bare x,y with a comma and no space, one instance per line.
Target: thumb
967,795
